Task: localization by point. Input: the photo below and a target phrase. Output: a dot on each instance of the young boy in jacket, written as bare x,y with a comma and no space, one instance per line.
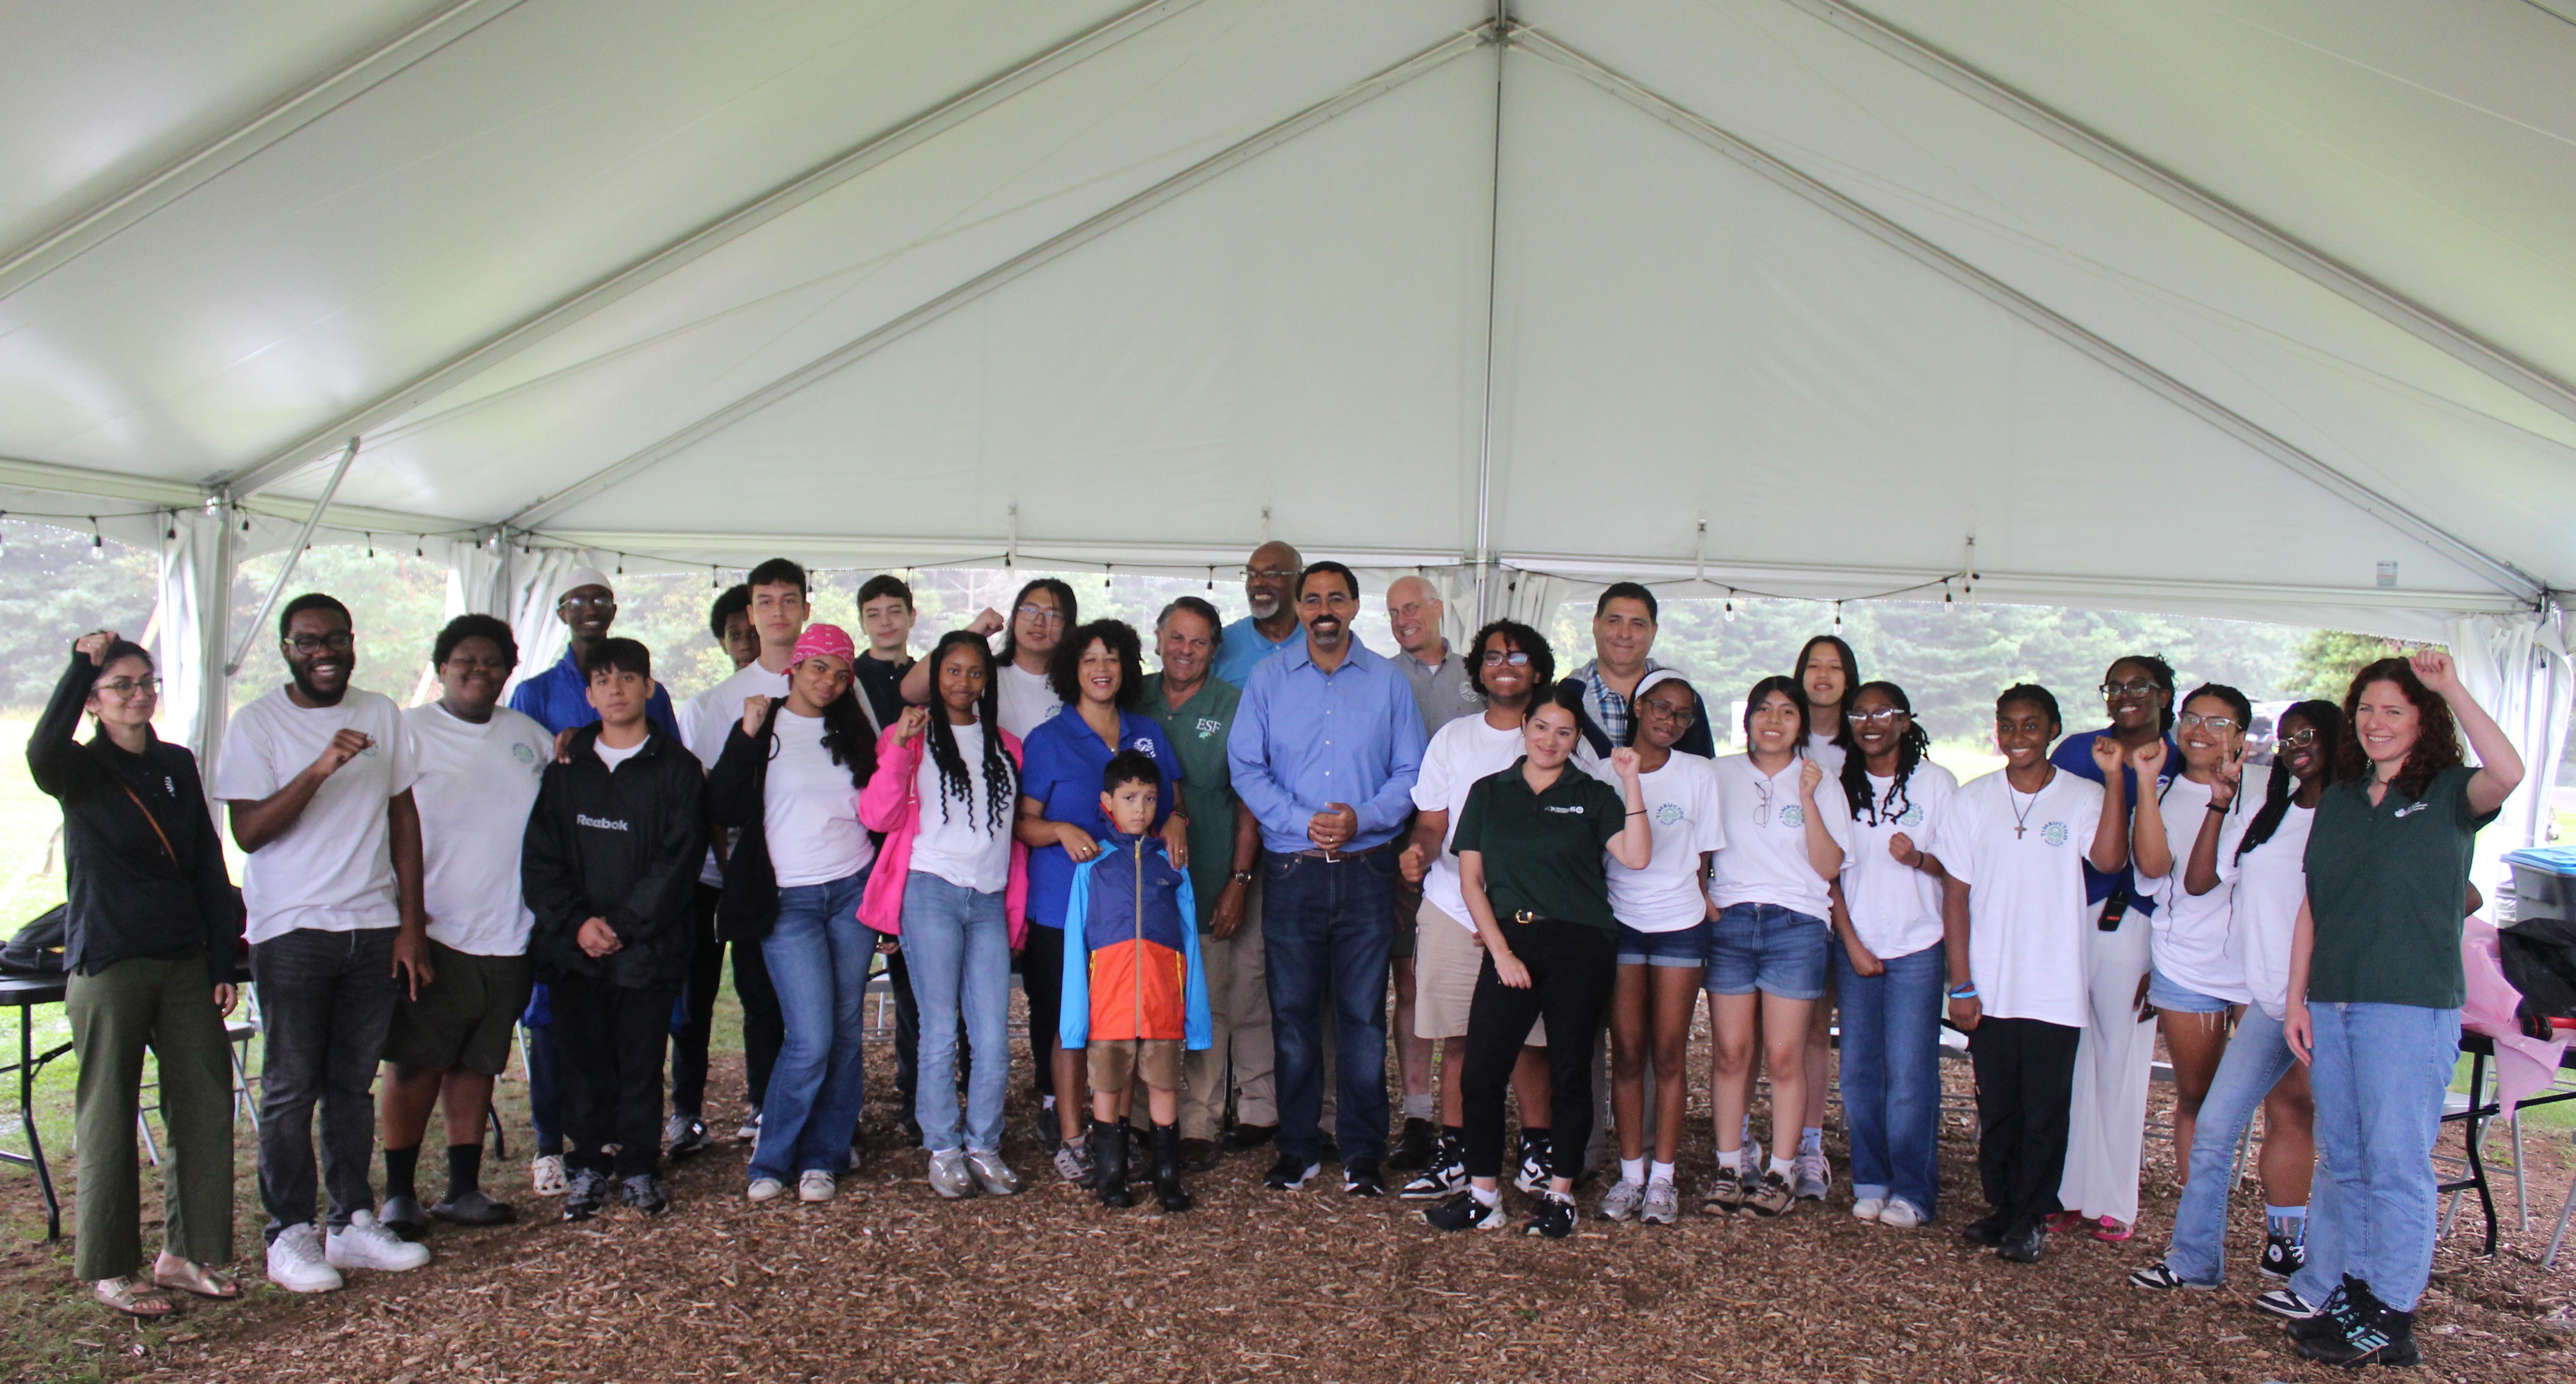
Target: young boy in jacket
612,852
1134,991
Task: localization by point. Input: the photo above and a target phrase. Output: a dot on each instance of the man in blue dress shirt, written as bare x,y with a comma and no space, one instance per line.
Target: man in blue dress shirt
1325,748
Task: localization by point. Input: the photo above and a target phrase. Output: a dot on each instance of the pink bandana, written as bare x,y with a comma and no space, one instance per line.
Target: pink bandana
824,639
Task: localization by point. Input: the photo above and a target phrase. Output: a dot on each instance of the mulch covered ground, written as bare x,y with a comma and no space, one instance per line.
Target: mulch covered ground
890,1283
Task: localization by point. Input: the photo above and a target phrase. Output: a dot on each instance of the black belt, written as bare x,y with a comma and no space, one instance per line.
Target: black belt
1319,853
1527,916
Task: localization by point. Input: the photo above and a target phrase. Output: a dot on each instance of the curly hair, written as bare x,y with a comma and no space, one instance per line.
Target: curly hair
1542,659
1911,747
2437,743
2326,719
1001,780
1064,669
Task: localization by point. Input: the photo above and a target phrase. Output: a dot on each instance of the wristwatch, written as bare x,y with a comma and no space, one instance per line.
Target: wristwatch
1241,876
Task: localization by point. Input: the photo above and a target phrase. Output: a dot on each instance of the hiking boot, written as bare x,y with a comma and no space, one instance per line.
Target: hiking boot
1464,1212
1622,1200
1443,1177
1554,1217
1725,1195
588,1195
1168,1192
1109,1164
1773,1196
643,1191
1413,1147
1073,1163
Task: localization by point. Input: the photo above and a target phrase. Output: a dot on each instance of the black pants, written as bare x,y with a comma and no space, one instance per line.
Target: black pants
609,1038
1042,979
764,1027
2025,1083
763,1030
907,1031
1572,971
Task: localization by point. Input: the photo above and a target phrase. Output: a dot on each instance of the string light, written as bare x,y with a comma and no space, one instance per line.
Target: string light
97,540
1838,615
1211,578
420,545
371,545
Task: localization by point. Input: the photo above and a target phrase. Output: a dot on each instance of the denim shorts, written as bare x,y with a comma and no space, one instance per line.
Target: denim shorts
1684,947
1763,946
2165,994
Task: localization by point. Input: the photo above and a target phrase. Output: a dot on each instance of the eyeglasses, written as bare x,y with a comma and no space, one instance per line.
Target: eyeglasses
1496,658
1665,711
1269,574
1043,614
587,603
2128,691
338,642
2215,725
131,687
1884,716
2299,741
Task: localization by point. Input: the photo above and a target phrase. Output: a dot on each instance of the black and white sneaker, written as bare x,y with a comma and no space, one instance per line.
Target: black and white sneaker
1289,1174
2157,1276
1360,1178
684,1134
643,1191
1554,1217
1532,1175
1445,1177
1464,1212
2283,1257
2286,1304
588,1195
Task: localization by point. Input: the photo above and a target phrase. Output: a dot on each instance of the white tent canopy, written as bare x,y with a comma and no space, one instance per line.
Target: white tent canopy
2256,308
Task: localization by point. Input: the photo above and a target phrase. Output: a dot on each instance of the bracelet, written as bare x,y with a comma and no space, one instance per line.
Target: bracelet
1640,812
2219,808
1964,992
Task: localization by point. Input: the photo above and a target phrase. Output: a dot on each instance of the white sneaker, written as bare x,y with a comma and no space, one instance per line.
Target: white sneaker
814,1184
1868,1208
546,1175
366,1244
1899,1214
764,1189
295,1262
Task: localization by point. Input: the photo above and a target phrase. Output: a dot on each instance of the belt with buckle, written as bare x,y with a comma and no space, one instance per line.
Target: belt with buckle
1528,916
1319,853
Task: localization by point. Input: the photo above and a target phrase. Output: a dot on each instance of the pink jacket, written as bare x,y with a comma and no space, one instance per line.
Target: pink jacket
891,804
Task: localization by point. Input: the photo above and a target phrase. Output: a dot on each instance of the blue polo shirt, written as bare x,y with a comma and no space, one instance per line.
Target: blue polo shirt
559,699
2074,754
1244,648
1060,766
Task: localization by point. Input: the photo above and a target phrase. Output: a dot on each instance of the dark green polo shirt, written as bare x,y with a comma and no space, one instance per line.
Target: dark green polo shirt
2387,886
1543,850
1197,732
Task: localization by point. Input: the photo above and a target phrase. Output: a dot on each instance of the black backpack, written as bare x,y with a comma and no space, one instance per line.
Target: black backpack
38,947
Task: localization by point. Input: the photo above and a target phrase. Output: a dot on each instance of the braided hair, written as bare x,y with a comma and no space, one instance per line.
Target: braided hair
2326,719
1911,747
2161,674
1001,783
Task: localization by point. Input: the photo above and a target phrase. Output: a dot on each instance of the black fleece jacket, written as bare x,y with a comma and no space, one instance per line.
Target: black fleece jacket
128,895
624,846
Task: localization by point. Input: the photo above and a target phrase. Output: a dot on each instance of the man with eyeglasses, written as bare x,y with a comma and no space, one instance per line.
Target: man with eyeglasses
1268,582
1325,748
317,777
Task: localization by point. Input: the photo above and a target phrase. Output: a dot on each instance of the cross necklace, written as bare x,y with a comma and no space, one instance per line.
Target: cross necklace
2021,815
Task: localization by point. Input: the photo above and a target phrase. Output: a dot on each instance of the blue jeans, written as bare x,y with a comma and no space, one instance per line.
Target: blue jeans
818,953
2256,1059
1768,947
957,944
2380,1072
1326,926
1892,1075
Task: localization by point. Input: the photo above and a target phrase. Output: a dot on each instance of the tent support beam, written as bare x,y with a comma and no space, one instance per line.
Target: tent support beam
849,353
84,232
286,568
2504,575
732,225
1502,32
2494,360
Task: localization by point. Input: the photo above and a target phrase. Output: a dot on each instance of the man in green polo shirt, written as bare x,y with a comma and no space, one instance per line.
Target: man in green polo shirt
1196,712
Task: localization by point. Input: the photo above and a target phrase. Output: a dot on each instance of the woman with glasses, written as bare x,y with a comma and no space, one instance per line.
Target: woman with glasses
151,931
1663,946
1770,887
1889,970
2107,1136
2267,867
789,779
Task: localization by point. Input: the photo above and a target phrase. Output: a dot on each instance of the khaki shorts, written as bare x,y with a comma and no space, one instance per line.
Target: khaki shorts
1445,964
463,1017
1116,1063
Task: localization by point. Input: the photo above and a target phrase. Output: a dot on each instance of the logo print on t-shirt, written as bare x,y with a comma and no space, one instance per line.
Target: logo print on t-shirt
523,754
1793,816
1912,816
1209,726
1668,814
2411,809
2054,833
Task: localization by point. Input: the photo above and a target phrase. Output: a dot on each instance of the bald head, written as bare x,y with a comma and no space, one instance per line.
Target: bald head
1414,610
1270,578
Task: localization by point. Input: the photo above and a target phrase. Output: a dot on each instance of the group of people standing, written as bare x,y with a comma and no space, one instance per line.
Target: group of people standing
1207,878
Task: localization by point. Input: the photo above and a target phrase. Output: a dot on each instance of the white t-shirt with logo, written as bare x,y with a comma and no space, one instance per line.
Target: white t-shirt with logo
2192,935
713,715
2026,908
333,871
1896,909
2271,883
1682,805
476,786
810,808
1024,700
1765,857
959,841
1464,751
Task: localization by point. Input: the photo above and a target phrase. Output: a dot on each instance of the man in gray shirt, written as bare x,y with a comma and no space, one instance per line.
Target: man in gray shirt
1443,692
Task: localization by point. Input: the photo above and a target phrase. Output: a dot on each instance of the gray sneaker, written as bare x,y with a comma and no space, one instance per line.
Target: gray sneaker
1622,1200
1073,1163
948,1175
991,1173
1663,1204
1815,1176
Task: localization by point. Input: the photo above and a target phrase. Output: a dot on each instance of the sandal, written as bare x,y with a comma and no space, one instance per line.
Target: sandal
2111,1231
193,1277
133,1297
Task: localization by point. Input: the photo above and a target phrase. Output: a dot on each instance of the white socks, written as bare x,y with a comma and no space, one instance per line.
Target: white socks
1486,1196
1785,1167
1663,1172
1417,1107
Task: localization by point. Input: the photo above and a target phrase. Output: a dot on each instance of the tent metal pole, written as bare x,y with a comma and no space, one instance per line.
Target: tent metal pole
286,569
2496,361
750,215
2504,575
202,165
1502,35
841,357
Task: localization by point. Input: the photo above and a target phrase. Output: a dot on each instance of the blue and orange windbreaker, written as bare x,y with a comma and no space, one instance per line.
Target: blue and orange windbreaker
1131,949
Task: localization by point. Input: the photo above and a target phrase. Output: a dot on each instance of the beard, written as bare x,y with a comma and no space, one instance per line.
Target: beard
303,683
1264,606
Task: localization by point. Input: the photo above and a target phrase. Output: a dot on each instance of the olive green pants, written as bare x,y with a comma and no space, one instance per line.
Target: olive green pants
167,1006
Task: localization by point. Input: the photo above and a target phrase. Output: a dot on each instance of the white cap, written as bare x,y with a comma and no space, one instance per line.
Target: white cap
580,577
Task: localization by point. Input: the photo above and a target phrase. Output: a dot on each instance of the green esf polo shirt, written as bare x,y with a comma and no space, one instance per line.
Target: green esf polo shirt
1543,850
2388,886
1197,730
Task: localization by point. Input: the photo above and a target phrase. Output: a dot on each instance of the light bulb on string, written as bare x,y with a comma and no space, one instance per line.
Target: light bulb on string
1838,615
97,540
420,545
371,545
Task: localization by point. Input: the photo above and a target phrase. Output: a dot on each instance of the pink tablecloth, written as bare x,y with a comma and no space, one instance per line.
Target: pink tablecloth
2523,1067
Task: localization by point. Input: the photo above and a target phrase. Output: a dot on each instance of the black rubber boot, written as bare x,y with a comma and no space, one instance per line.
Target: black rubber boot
1167,1169
1140,1154
1109,1163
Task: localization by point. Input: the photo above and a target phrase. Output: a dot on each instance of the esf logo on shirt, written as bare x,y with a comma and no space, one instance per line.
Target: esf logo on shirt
1567,811
1209,727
